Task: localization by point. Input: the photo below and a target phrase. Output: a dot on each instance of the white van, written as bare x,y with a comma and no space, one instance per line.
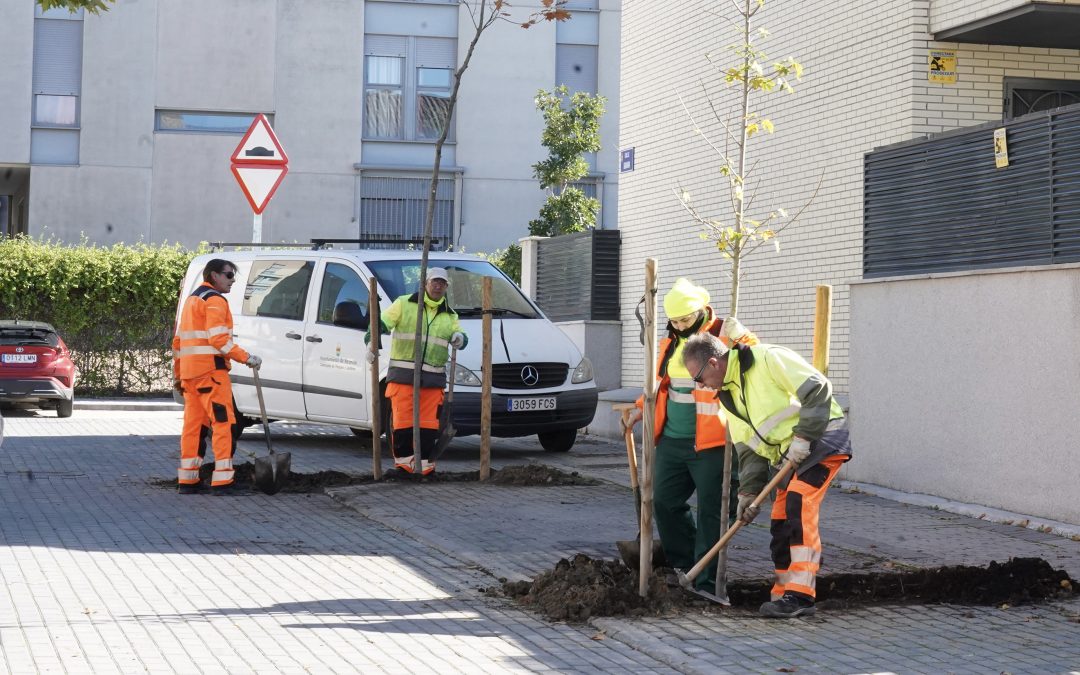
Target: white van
305,314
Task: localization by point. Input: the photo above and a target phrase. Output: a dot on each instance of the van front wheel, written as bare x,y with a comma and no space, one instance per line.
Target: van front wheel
558,441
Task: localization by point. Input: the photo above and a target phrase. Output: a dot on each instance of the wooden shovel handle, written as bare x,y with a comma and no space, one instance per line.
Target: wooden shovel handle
631,451
718,546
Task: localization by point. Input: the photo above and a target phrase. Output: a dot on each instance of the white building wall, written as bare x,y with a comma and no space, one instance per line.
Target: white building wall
952,396
302,62
16,79
865,85
945,14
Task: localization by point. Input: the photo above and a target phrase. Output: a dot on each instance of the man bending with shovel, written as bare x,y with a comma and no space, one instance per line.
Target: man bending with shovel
779,407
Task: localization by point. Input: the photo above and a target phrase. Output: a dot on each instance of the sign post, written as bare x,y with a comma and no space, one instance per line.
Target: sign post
259,163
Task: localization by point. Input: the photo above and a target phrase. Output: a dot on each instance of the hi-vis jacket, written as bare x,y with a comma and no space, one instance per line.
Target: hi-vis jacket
772,394
439,325
709,426
203,340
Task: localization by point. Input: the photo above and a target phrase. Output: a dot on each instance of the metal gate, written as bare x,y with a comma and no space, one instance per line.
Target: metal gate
941,204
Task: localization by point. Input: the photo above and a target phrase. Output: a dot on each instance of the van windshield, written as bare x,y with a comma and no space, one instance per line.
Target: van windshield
400,277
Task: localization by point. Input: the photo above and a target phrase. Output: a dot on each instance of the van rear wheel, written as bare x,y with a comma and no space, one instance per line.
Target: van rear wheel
558,441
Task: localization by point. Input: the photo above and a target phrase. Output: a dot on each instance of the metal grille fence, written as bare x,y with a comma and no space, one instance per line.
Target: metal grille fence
394,208
942,205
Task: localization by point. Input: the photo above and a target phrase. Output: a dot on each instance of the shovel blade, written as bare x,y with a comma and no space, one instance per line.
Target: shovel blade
630,552
272,472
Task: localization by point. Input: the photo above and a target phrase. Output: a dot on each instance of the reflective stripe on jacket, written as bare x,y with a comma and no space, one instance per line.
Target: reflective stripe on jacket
784,396
204,338
438,327
709,432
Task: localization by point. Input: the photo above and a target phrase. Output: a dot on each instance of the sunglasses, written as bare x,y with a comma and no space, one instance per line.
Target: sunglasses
228,275
700,372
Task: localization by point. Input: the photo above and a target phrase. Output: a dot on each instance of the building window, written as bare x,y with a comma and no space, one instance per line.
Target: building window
57,86
383,97
204,122
407,78
432,101
1025,95
393,207
55,111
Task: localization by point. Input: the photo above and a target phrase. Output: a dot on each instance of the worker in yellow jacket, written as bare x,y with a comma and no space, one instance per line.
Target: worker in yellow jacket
690,435
202,349
439,330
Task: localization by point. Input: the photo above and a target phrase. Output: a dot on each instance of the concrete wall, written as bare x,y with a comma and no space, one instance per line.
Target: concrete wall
865,85
16,79
951,13
965,386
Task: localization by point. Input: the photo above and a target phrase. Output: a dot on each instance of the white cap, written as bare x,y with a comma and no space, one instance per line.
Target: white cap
437,273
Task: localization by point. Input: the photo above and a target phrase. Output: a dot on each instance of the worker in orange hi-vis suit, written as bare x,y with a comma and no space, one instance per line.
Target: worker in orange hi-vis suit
202,349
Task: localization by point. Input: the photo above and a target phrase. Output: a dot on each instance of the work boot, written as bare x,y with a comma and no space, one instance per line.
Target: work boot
788,606
188,488
229,490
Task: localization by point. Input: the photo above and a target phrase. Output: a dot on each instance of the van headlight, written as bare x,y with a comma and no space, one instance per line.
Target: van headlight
583,372
464,376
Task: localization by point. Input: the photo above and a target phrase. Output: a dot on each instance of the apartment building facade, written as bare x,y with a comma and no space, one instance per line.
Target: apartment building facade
119,126
939,403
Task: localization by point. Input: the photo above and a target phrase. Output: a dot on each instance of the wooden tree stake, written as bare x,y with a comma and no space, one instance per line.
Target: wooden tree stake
648,445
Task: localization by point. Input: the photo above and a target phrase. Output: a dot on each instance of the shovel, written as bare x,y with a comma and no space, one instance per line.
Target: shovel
446,416
630,551
272,471
687,580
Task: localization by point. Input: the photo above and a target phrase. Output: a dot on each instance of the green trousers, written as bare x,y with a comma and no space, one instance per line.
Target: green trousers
680,471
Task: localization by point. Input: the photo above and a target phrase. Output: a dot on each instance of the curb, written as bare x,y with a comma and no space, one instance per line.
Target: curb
146,405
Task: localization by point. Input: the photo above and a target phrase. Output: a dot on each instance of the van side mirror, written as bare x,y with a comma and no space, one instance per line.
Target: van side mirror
348,315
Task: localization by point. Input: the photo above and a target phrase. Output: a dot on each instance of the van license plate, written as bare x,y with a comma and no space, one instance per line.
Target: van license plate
531,403
19,358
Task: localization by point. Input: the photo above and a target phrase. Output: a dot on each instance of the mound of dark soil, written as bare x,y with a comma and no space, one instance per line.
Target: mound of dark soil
300,483
583,587
538,474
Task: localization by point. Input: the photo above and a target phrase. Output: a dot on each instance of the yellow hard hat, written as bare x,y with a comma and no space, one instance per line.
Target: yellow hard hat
684,298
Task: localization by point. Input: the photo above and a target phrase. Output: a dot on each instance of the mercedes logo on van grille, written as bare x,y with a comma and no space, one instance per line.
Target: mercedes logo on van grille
530,376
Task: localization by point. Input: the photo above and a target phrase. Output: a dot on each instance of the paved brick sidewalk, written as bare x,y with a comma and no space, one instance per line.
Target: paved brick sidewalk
104,572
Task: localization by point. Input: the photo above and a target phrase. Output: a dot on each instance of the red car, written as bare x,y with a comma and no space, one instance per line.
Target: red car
36,367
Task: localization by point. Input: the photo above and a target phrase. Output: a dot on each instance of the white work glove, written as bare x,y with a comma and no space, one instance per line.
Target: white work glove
630,420
370,356
799,450
458,340
254,361
733,330
746,513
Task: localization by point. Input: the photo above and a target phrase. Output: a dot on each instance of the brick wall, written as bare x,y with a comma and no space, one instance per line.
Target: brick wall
865,86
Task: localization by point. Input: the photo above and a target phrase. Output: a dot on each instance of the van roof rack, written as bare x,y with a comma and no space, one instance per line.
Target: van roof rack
317,244
220,245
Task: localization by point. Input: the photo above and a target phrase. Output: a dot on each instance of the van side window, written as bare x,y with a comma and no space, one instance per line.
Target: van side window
343,298
278,288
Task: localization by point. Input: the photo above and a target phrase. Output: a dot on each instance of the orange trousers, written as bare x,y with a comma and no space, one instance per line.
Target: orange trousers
208,403
796,542
401,405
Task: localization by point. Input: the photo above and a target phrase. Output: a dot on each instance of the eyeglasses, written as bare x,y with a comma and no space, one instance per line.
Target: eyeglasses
229,275
701,371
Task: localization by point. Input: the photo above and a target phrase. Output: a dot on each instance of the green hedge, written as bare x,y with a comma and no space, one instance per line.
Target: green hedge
113,306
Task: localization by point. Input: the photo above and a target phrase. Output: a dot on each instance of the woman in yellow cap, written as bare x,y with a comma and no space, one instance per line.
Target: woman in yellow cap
690,434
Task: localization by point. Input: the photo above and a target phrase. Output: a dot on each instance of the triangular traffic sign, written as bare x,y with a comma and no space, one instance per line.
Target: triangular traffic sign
259,182
260,145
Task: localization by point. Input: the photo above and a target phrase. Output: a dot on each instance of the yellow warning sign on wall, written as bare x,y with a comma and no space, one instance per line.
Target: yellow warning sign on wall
1001,149
942,64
